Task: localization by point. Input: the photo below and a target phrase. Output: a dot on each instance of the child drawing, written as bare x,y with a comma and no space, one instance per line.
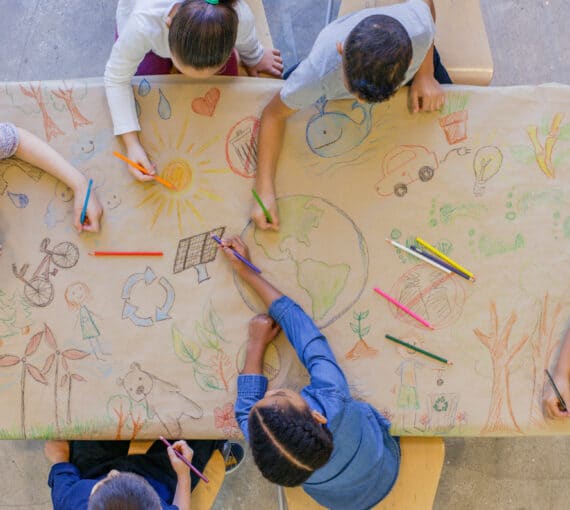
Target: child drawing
407,400
76,295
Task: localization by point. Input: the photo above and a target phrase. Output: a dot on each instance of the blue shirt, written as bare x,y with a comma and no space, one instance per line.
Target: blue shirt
365,459
71,492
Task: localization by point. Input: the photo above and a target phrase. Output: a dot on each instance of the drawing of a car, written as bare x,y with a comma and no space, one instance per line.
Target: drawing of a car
403,165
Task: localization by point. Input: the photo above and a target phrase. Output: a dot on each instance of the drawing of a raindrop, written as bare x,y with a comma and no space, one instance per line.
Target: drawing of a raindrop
163,106
144,87
137,107
19,199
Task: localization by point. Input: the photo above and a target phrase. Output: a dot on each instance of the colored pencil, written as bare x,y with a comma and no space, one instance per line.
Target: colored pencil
243,259
403,308
445,258
420,256
562,404
442,263
126,253
87,195
414,348
262,205
184,459
157,178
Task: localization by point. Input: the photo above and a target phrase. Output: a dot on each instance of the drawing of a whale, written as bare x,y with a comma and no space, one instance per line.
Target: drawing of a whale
330,134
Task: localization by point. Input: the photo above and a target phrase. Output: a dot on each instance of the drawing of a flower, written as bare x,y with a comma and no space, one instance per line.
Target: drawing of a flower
224,419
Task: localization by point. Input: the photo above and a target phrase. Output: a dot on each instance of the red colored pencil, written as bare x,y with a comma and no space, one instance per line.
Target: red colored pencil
183,459
126,253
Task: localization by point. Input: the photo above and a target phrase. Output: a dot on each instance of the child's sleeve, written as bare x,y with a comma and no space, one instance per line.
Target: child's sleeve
250,389
9,140
127,53
247,44
68,490
310,344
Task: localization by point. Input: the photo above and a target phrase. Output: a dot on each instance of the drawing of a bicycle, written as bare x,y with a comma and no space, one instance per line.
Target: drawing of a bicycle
39,290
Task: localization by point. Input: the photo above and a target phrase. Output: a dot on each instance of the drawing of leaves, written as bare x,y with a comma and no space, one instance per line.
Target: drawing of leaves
354,327
49,337
365,331
205,336
186,351
7,360
77,377
564,133
36,374
63,380
48,364
33,344
207,381
74,354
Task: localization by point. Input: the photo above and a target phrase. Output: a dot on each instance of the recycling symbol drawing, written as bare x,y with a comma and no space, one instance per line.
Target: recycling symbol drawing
132,311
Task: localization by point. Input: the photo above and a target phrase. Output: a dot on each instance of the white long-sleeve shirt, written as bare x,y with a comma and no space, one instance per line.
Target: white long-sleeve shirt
141,25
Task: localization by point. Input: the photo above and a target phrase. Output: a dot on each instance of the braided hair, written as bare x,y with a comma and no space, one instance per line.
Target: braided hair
202,35
377,54
287,444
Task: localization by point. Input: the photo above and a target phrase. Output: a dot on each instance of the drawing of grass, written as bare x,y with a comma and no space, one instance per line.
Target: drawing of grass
454,103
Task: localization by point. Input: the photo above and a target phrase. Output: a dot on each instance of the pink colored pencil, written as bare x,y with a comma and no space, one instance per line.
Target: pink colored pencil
183,459
403,308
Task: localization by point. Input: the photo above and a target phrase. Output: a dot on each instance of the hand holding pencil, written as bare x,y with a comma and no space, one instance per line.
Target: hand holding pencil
179,466
556,396
87,210
264,211
137,154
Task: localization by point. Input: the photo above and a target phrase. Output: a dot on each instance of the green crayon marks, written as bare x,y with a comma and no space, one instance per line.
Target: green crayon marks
449,213
567,227
489,246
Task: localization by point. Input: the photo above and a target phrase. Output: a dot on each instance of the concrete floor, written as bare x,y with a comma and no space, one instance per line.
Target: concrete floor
53,39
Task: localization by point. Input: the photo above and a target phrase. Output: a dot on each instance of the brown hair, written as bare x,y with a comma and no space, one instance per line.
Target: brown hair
126,491
202,35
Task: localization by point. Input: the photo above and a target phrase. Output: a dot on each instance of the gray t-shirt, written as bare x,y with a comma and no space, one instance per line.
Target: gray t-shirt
320,74
9,140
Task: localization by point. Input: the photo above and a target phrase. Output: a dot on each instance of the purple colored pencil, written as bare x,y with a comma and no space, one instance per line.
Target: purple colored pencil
440,262
243,259
183,459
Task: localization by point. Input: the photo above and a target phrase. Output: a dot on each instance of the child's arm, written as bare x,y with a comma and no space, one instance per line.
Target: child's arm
255,58
63,475
38,153
561,376
182,496
426,94
271,130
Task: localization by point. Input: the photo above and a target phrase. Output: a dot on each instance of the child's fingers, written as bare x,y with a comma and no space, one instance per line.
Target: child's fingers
414,101
183,448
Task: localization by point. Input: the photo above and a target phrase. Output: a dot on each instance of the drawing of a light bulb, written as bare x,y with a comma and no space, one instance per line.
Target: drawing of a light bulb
486,163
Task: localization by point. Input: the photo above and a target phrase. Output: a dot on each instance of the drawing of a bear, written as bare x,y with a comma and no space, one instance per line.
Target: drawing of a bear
161,398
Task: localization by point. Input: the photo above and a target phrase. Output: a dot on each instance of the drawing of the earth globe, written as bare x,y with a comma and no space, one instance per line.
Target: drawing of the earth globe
318,258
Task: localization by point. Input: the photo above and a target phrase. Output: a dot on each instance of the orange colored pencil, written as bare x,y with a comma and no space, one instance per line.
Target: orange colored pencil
157,178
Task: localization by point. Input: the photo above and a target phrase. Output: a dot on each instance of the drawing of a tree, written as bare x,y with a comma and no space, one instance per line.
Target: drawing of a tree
215,372
56,359
120,408
500,417
361,349
8,360
543,342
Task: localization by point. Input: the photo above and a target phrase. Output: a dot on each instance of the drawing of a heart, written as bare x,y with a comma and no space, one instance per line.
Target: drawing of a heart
206,105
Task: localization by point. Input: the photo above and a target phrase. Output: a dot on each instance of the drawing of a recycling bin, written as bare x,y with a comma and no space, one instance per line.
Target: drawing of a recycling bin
404,165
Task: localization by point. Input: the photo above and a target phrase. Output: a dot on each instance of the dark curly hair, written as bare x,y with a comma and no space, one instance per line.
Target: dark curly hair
126,491
287,444
376,55
203,35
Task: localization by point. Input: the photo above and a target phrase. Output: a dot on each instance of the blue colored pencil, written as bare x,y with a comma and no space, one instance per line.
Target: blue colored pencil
84,210
243,259
441,262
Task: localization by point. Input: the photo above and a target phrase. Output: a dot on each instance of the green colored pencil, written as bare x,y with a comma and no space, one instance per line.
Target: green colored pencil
414,348
263,208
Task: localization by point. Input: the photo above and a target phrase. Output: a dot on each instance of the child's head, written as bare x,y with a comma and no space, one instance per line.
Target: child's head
376,55
123,491
202,36
76,294
288,440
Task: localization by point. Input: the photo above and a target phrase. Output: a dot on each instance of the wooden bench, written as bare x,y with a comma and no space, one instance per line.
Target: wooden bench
461,38
416,487
204,495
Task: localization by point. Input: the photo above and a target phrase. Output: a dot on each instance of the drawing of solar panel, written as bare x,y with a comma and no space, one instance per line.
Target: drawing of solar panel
196,252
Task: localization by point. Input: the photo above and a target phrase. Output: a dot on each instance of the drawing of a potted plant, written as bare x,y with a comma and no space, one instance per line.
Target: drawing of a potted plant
361,349
454,118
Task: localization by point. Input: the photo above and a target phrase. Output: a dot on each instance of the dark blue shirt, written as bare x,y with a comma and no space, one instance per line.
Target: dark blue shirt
71,492
365,460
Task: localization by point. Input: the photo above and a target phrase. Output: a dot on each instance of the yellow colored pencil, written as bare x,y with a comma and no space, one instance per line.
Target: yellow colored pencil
443,257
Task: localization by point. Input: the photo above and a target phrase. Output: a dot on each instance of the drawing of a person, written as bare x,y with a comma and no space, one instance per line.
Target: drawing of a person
76,295
407,400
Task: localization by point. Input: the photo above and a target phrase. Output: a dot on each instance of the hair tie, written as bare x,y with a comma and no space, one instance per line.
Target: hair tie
213,2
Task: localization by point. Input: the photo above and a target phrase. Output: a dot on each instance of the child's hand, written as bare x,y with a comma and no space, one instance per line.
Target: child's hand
262,330
258,216
136,153
57,451
426,94
93,212
235,243
178,465
270,63
550,400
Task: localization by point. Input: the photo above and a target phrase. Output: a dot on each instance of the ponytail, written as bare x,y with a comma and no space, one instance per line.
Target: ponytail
203,33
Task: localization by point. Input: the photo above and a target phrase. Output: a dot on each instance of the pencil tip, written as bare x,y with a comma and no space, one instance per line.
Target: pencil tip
450,362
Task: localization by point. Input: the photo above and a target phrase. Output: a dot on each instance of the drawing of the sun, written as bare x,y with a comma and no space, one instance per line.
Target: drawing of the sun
186,167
